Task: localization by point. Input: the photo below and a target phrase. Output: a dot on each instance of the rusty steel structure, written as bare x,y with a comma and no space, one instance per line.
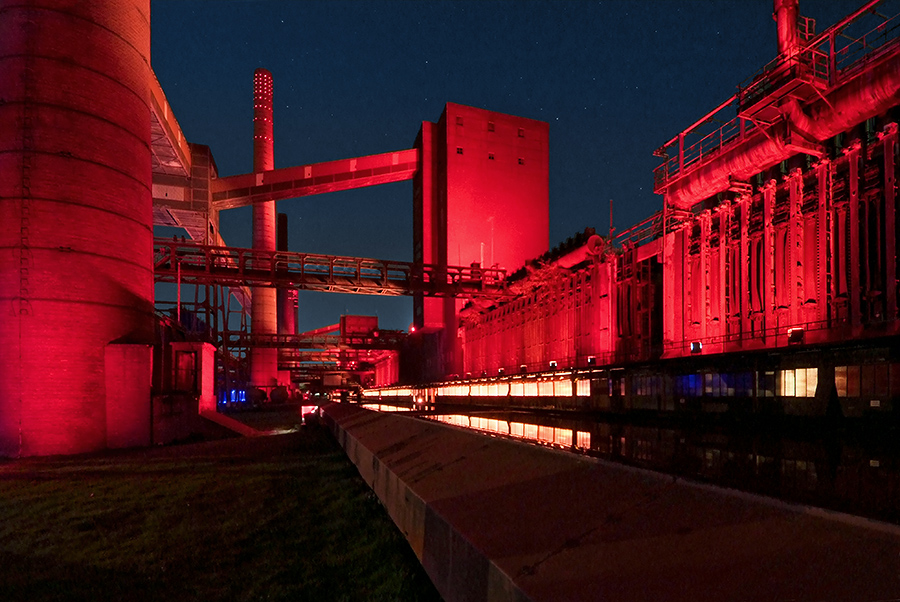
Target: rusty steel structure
192,263
768,281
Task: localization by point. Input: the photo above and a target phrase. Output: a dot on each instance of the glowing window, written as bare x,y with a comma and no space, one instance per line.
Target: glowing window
546,434
787,383
801,382
583,388
563,388
563,437
583,440
812,381
531,389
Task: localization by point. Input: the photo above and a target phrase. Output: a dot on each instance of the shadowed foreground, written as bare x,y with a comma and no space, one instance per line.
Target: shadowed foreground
269,518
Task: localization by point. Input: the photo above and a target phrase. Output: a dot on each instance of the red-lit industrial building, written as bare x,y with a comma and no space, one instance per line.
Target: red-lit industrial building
480,199
767,283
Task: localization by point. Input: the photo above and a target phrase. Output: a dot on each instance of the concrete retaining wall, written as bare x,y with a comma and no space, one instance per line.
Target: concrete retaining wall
492,519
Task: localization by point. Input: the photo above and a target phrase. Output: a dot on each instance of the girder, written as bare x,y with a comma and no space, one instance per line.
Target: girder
170,154
316,178
386,339
191,263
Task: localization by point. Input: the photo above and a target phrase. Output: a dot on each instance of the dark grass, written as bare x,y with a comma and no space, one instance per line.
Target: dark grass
273,518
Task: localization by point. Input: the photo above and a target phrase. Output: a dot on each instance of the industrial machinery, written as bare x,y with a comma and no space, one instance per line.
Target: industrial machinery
767,283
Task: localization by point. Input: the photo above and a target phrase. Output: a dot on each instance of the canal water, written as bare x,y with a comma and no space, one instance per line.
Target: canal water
847,467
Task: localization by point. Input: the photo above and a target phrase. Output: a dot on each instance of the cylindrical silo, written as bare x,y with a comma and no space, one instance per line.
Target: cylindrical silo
264,310
75,214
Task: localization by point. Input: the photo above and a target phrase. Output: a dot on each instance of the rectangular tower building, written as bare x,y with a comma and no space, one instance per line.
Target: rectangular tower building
481,196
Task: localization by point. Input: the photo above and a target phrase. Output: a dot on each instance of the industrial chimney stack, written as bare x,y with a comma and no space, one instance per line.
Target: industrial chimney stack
264,310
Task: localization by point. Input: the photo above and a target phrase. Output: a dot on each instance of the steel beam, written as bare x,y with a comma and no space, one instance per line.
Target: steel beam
317,178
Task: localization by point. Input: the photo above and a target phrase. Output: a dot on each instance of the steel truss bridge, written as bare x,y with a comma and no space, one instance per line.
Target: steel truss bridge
193,263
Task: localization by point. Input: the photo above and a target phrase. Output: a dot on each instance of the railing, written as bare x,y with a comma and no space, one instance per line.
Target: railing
809,65
384,339
192,263
855,51
645,231
828,59
679,158
774,336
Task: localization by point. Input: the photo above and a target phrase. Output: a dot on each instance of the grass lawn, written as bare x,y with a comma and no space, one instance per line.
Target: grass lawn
272,518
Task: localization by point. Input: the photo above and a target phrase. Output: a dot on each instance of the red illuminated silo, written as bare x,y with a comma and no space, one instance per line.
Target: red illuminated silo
75,214
264,311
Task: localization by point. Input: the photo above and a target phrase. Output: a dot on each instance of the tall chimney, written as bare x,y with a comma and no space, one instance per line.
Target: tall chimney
264,311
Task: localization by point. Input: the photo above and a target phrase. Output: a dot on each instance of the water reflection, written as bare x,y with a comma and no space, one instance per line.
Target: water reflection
854,469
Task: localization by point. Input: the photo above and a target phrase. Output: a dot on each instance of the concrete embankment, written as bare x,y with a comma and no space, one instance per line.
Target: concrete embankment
493,519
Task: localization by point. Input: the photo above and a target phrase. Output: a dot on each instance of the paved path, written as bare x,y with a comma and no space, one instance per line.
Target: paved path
494,519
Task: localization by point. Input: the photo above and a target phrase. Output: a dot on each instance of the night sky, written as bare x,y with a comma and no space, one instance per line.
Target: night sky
614,79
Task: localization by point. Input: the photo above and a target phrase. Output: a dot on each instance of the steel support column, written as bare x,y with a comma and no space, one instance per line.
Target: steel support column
744,204
889,138
853,225
768,297
705,221
824,229
722,293
795,242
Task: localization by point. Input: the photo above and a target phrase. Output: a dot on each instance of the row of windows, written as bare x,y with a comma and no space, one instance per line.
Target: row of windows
794,382
459,151
490,126
872,380
521,430
516,388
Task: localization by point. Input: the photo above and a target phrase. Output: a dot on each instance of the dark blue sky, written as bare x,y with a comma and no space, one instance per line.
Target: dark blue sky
614,80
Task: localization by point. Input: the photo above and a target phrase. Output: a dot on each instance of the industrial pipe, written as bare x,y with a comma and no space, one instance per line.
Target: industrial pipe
862,97
786,15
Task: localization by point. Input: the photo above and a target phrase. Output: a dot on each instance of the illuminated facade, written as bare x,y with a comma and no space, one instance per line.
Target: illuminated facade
778,233
264,309
76,271
768,280
480,197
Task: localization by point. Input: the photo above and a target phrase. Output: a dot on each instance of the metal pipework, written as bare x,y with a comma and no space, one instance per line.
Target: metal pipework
786,15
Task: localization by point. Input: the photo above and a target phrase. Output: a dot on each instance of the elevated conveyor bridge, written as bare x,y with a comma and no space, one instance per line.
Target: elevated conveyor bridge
192,263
